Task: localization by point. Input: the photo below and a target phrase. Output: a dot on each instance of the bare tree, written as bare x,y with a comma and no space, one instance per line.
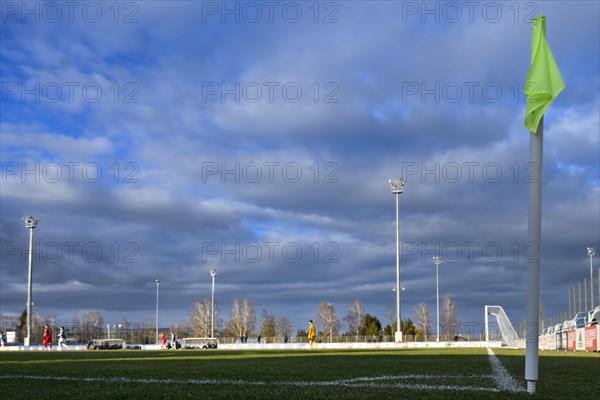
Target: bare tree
183,329
50,320
449,320
93,322
268,324
201,318
248,316
327,317
37,326
391,314
241,318
423,319
146,332
284,327
356,312
75,331
234,324
75,319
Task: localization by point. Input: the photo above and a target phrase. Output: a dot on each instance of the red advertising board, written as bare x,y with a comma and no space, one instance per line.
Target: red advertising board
591,338
551,341
571,340
542,342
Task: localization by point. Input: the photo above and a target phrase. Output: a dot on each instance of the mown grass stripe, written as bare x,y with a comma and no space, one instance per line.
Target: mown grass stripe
362,382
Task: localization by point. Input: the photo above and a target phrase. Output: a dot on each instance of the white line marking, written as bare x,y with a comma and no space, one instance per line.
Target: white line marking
504,380
361,382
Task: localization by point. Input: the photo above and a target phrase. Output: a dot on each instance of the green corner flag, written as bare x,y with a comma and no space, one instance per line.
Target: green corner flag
544,82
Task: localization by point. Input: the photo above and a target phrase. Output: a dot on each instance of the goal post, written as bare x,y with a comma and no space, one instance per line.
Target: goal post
508,333
199,343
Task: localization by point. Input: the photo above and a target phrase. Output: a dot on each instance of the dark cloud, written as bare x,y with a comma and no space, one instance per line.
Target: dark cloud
207,161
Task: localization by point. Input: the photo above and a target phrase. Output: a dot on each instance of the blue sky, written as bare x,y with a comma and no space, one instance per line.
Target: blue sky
156,140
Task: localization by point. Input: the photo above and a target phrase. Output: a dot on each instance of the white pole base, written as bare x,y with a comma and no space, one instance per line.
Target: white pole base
398,337
531,387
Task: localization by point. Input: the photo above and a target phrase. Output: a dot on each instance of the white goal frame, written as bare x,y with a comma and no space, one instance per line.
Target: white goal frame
509,335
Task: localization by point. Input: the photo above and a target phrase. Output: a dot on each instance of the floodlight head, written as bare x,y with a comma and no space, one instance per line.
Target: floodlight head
158,280
30,222
591,251
213,272
397,185
437,260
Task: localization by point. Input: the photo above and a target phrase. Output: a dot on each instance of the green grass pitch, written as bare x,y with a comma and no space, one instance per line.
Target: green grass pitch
294,374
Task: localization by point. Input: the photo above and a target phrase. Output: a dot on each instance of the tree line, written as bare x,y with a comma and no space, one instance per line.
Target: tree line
243,322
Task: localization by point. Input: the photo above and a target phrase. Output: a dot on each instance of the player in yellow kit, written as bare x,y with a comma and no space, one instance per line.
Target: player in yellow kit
312,333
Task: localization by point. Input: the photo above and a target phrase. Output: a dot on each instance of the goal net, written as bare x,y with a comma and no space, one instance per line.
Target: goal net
199,343
499,327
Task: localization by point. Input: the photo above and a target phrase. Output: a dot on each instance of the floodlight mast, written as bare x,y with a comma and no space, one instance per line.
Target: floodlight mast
30,223
592,252
213,273
157,284
397,189
437,260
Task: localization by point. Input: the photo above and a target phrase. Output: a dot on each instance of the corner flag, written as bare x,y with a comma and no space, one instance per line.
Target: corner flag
544,82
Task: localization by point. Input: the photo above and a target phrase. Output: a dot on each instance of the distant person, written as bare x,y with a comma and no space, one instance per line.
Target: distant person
285,339
62,338
2,339
47,339
173,340
312,333
163,340
259,336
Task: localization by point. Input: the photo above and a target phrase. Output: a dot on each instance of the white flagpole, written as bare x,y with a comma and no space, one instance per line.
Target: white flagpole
536,148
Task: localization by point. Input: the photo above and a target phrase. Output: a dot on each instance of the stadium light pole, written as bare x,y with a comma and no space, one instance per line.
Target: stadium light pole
591,252
397,189
585,294
402,288
574,302
157,284
30,223
579,291
213,273
437,260
570,307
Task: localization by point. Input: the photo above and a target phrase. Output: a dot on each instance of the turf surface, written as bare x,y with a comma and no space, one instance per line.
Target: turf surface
295,374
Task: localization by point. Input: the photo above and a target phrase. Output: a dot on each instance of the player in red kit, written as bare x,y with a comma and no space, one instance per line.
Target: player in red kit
47,340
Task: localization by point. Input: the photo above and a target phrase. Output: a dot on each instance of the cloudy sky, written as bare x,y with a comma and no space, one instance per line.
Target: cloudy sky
157,140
